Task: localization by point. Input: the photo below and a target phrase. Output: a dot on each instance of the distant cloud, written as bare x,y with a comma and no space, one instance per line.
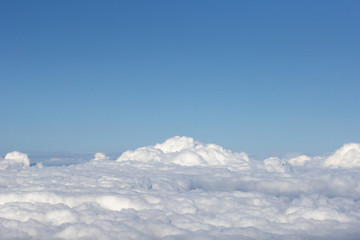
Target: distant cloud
299,160
275,164
100,157
15,159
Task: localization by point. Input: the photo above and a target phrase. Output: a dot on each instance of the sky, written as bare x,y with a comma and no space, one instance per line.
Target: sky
264,77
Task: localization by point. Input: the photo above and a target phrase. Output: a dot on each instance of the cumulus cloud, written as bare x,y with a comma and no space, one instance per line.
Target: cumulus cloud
185,151
347,156
184,189
15,159
275,164
299,160
100,157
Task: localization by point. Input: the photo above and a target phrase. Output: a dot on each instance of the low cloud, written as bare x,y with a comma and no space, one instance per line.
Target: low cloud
15,160
183,189
348,156
184,151
100,157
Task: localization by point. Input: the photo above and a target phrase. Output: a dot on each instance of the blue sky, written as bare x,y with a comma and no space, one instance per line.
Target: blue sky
263,77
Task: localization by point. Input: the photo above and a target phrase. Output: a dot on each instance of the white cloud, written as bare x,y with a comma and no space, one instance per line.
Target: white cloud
15,160
185,151
348,156
100,157
299,160
176,144
186,191
274,164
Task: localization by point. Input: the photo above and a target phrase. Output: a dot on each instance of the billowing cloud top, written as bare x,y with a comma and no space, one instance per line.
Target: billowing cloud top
15,160
347,157
100,157
185,151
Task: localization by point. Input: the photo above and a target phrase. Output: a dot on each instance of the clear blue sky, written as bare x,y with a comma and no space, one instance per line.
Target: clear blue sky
257,76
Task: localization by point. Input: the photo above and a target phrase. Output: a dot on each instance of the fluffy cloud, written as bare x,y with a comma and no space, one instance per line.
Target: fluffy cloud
347,157
15,160
100,157
185,151
299,160
275,164
183,189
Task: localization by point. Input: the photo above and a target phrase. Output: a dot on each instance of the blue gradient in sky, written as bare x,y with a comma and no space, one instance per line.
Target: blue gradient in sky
257,76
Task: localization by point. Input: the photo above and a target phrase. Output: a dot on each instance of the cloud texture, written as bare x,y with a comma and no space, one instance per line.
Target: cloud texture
15,160
183,189
184,151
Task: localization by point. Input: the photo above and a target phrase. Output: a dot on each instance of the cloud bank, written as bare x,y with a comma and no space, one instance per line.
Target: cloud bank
183,189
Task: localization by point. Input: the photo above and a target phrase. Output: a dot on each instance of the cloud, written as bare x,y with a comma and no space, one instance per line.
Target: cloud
100,157
183,189
275,164
348,156
185,151
299,160
15,160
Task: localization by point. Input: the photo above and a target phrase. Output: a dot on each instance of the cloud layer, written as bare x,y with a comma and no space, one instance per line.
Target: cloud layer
183,189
